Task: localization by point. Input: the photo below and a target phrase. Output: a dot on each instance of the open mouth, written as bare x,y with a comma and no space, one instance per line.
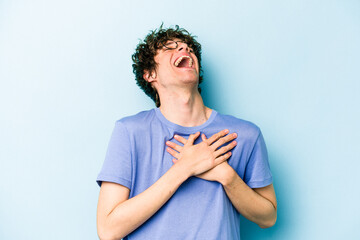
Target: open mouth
184,61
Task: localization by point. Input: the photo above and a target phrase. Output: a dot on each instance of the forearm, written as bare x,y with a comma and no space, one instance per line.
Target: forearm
129,215
249,203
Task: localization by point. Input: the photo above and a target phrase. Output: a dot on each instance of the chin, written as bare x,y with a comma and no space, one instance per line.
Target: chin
190,79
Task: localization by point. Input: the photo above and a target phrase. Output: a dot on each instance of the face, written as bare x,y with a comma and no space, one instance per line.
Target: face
177,65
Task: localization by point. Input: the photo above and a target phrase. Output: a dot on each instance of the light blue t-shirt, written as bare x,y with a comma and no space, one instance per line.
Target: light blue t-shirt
136,158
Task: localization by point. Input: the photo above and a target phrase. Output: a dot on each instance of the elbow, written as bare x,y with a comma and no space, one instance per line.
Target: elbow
107,229
103,236
269,223
271,218
106,234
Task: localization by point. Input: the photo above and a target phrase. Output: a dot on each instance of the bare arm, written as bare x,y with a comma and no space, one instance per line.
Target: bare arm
117,216
258,205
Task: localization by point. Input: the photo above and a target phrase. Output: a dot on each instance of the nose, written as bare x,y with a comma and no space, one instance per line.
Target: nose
183,46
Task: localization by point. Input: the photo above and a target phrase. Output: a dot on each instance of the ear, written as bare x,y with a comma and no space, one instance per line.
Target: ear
149,77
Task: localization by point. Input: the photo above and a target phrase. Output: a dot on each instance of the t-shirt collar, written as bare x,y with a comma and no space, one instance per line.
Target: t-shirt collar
182,129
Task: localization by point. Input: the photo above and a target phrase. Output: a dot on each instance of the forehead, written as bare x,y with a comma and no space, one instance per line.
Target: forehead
174,39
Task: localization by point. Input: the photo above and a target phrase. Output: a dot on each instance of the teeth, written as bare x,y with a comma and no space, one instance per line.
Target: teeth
181,58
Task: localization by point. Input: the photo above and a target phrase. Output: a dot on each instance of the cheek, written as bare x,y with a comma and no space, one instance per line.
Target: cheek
196,59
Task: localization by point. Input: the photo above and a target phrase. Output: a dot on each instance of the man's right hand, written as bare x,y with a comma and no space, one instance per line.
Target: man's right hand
199,158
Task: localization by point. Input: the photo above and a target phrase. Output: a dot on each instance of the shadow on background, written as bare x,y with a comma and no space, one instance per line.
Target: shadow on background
285,217
215,96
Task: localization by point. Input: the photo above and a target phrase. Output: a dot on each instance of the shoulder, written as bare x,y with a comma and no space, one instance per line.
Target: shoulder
137,121
245,127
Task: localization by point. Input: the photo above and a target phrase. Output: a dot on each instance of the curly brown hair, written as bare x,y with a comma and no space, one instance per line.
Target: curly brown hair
146,50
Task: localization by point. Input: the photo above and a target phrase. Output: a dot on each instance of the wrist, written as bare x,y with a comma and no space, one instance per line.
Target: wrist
181,171
228,177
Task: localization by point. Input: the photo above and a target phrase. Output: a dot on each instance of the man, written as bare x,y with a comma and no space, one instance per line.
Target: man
176,171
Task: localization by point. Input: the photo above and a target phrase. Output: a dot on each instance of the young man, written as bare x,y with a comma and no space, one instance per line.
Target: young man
176,171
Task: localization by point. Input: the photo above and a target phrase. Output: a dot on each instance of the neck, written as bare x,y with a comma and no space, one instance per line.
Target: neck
184,107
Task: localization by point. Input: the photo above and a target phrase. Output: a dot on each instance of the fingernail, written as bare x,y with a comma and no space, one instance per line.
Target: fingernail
234,142
226,131
234,134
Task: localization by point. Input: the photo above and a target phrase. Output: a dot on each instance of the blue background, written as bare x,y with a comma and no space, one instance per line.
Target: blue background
291,67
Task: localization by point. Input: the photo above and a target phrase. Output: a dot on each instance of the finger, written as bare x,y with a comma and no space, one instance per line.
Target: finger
225,149
203,137
174,160
180,139
216,136
222,158
174,146
173,153
192,138
224,140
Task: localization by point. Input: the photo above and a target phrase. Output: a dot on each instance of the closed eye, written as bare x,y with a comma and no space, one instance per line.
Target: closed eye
165,49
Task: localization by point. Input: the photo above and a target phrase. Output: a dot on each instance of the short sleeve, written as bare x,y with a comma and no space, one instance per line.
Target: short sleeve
117,164
257,172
